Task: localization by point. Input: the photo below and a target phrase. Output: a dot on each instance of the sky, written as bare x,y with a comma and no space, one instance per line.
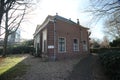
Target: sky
73,9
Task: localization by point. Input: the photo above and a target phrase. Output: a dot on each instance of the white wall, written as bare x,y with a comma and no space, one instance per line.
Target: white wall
36,40
44,38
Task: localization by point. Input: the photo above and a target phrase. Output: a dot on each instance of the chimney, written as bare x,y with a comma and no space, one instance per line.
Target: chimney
78,21
70,19
56,14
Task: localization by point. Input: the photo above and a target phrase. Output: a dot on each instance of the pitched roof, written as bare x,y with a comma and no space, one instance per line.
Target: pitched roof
51,18
65,20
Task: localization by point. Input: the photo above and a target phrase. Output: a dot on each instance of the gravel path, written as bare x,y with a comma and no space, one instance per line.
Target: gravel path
40,70
85,68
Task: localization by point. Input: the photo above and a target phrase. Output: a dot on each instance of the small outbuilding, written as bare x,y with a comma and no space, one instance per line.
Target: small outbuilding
58,37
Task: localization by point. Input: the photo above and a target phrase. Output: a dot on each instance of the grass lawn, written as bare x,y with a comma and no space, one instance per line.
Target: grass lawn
12,66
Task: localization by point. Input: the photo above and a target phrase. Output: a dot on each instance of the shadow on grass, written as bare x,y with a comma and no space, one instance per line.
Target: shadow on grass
16,71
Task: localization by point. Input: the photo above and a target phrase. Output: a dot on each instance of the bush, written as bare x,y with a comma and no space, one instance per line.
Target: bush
95,50
111,63
19,50
109,49
115,43
110,58
1,50
103,50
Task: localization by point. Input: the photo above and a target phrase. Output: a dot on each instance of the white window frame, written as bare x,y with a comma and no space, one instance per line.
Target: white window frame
85,47
44,38
58,45
75,45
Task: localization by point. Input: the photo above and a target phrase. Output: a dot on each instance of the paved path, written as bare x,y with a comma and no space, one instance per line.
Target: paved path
40,70
87,68
83,70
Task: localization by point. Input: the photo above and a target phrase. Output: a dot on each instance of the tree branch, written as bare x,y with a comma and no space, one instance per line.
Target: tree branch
19,21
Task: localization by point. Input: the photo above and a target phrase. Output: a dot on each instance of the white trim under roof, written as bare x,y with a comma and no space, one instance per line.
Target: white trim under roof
43,25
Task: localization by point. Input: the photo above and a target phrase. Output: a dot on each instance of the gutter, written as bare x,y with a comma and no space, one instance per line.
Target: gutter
54,57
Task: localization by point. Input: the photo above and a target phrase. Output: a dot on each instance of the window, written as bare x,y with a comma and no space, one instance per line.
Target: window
61,45
84,46
75,45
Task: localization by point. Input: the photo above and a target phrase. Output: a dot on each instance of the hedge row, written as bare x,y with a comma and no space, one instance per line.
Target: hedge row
18,50
110,59
101,50
1,50
111,64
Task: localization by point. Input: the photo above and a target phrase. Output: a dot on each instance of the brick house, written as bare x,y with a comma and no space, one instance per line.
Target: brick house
58,37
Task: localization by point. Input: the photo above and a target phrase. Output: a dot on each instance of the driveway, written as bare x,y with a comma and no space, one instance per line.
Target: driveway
88,68
84,68
41,70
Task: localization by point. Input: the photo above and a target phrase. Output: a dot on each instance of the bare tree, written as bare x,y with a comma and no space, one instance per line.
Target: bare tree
12,21
14,14
108,11
4,7
1,10
104,8
94,43
112,26
105,42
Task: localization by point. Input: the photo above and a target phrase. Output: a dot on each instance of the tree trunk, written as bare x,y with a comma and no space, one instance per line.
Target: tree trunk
1,10
6,36
5,45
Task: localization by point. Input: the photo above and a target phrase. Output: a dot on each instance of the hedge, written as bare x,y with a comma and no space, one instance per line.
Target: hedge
102,50
110,59
1,50
19,50
111,64
95,50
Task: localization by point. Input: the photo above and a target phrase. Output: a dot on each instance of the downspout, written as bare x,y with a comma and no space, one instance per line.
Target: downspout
0,30
54,57
89,33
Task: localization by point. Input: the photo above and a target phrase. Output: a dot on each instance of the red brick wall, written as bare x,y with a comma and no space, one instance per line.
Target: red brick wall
69,32
50,37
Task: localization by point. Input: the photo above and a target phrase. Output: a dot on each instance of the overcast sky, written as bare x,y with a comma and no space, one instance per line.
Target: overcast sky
66,8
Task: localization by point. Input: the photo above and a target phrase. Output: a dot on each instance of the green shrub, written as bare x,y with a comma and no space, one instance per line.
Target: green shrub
19,50
112,49
103,50
1,50
115,43
111,63
95,50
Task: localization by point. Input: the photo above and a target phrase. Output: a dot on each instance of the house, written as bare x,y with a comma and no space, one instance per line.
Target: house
58,37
